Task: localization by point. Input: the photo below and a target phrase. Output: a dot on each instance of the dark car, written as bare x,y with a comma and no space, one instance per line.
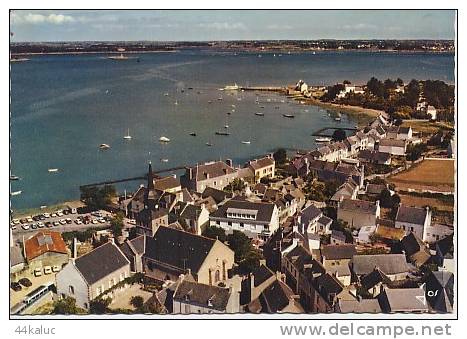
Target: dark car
42,218
25,282
48,224
66,212
36,218
15,286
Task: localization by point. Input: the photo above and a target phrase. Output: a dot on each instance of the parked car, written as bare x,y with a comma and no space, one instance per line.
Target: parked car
56,223
48,224
36,218
42,217
68,220
25,227
40,224
66,212
29,219
46,215
53,215
62,221
101,220
13,227
37,272
34,226
23,221
59,214
132,221
47,270
25,281
16,221
55,268
15,286
78,222
94,221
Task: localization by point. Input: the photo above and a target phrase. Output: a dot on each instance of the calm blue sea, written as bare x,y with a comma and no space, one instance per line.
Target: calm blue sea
64,107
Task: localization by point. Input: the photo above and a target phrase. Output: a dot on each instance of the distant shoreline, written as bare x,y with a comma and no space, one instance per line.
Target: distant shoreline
110,53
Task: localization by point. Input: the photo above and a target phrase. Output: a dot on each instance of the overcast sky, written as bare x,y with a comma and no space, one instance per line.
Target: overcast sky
230,25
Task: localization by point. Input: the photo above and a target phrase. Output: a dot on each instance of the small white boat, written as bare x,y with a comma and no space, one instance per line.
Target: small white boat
103,147
226,126
260,114
164,160
233,106
164,139
337,118
14,177
127,136
176,102
246,142
53,170
16,193
323,139
208,144
230,88
166,94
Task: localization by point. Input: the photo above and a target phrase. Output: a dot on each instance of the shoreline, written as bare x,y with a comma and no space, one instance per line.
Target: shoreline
20,213
91,52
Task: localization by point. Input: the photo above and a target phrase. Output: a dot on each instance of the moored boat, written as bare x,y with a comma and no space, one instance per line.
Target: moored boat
164,139
290,116
103,147
260,114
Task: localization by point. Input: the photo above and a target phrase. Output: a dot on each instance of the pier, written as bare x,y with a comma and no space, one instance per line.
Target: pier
264,89
320,132
143,177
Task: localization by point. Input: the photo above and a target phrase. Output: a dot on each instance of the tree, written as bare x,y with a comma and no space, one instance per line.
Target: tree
398,122
65,306
415,151
346,82
116,224
339,135
240,244
215,232
99,306
235,185
251,261
385,199
137,301
280,156
97,198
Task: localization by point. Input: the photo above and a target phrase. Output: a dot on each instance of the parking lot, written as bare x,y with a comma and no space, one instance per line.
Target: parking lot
17,296
59,222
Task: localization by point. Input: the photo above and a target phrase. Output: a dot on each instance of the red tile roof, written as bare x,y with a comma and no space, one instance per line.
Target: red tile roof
43,242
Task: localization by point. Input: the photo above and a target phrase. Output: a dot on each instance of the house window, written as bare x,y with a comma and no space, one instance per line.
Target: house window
241,224
229,223
86,305
217,276
215,183
71,289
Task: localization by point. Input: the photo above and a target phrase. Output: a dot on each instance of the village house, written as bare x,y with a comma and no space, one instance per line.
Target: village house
435,232
169,184
45,248
359,305
276,298
415,250
374,157
443,283
373,283
192,218
444,254
358,213
216,174
394,300
394,266
192,297
312,220
335,255
392,146
337,238
413,219
262,168
173,252
255,219
347,190
93,274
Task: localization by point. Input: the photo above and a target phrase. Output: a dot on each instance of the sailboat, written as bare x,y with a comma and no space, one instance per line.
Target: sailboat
246,142
127,136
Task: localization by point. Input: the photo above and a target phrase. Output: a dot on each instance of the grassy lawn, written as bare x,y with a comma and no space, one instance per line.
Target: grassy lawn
441,205
437,175
427,127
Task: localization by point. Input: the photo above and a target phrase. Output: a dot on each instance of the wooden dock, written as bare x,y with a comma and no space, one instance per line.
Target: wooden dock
139,178
320,132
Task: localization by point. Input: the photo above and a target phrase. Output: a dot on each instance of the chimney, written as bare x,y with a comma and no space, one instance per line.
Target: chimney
75,248
228,162
253,295
190,173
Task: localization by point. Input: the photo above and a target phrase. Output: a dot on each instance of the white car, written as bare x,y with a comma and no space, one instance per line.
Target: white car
46,215
16,221
47,269
62,221
94,221
29,219
60,214
78,222
25,227
40,224
37,272
53,215
55,268
101,220
56,223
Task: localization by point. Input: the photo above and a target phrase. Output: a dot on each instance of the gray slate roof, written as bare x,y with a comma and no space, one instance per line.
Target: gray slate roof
178,248
403,300
413,215
265,210
207,296
387,263
360,206
362,306
336,252
100,262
